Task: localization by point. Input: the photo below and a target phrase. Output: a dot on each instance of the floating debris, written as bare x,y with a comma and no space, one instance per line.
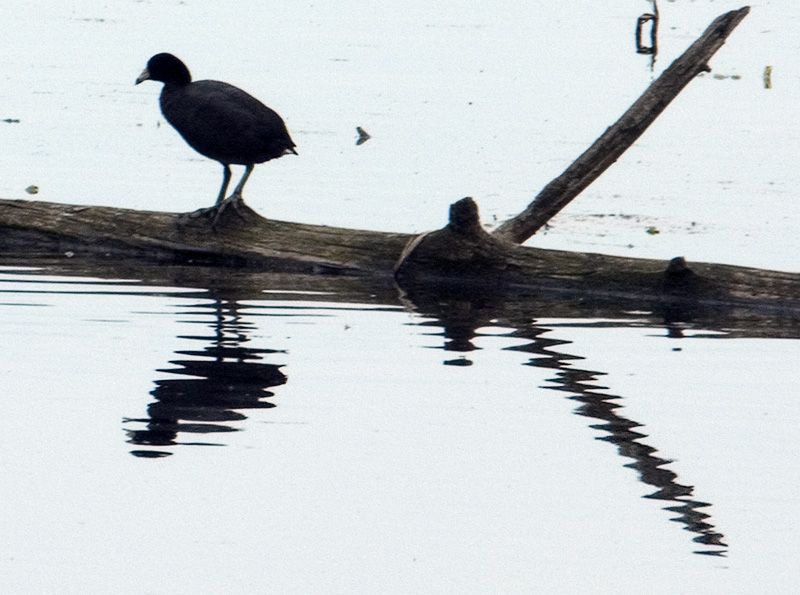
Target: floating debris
363,136
32,190
11,121
653,230
733,77
768,77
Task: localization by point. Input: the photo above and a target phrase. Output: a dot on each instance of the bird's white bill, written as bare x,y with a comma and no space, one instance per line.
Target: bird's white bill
144,76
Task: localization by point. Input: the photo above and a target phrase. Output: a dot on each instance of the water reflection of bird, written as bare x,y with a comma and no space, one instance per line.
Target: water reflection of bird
219,121
208,387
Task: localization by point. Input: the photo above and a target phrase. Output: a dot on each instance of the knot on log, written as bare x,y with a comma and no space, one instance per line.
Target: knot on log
679,280
461,248
678,266
464,218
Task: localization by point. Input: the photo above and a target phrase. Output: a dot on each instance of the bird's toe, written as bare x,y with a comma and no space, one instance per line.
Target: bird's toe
195,216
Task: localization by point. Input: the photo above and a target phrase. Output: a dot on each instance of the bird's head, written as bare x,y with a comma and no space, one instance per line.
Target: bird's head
165,68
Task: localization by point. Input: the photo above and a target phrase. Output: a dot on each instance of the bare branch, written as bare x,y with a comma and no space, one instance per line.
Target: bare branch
616,140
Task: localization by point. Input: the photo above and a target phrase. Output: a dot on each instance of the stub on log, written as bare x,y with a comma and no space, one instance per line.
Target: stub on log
463,247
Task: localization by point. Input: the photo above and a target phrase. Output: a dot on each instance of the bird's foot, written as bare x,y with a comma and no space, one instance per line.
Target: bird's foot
200,213
234,202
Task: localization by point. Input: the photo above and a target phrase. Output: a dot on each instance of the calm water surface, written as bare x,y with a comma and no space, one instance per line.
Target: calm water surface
194,434
191,440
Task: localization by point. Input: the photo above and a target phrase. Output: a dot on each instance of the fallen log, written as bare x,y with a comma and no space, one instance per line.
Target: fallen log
461,251
243,238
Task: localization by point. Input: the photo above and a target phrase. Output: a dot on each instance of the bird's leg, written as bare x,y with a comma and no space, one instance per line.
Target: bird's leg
237,192
226,179
209,211
235,200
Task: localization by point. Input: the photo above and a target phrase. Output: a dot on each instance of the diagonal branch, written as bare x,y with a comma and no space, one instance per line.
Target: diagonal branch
616,140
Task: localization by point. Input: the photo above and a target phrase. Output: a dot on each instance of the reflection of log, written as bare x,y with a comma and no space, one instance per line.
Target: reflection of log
461,250
512,302
616,140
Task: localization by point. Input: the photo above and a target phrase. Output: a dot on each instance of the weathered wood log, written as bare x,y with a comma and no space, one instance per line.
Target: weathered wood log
461,251
242,239
615,141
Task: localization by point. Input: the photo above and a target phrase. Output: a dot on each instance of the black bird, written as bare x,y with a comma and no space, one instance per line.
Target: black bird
219,121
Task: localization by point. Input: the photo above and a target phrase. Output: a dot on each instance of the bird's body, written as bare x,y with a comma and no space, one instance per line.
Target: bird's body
224,123
218,120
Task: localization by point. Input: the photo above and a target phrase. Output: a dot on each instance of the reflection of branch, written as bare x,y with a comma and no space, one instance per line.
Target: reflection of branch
225,376
461,315
621,432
